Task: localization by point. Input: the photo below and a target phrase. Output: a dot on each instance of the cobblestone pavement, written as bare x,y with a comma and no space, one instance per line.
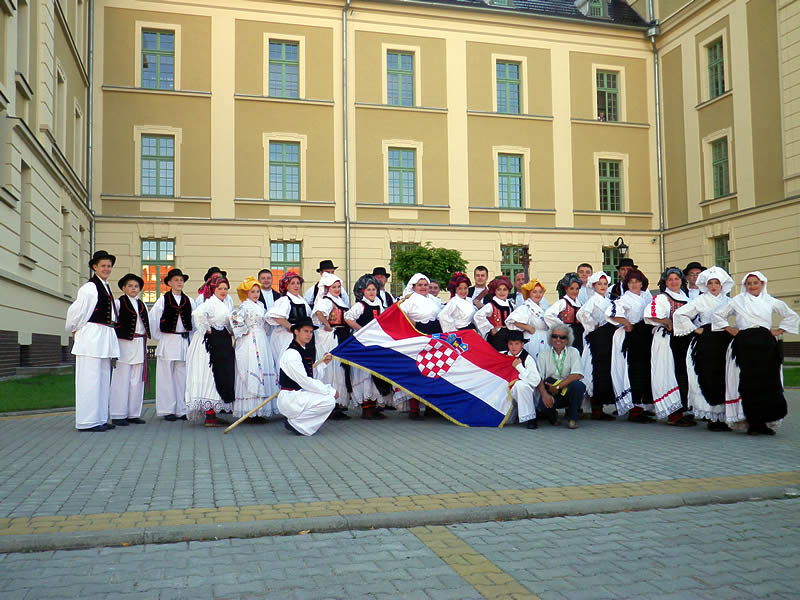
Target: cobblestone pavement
50,470
749,550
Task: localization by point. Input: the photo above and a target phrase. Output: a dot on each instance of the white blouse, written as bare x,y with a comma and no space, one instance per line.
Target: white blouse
629,306
91,339
660,306
697,313
282,306
481,319
551,314
529,313
593,313
420,309
131,352
212,314
325,306
756,312
247,317
457,314
228,301
357,309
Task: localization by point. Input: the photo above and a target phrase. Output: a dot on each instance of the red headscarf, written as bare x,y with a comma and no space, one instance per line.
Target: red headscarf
500,280
207,289
283,284
457,278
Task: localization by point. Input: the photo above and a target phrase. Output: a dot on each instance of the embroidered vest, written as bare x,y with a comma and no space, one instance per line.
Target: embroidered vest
126,322
104,309
370,313
336,317
307,354
673,304
499,314
173,310
568,314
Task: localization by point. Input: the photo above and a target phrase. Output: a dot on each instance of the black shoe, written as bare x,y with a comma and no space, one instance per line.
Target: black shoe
120,422
388,408
290,428
95,428
338,415
602,416
182,418
415,416
532,424
136,421
170,418
552,418
718,426
110,426
760,430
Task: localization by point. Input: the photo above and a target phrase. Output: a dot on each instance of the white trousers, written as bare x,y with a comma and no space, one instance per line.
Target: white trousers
305,411
92,387
170,387
523,394
127,391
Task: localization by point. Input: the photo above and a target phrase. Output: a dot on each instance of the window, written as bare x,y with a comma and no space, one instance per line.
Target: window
402,176
23,37
511,261
396,284
400,78
607,96
719,167
610,172
716,69
158,60
502,2
25,205
284,69
722,256
509,180
77,159
596,8
284,171
508,81
158,257
284,257
60,109
158,165
610,261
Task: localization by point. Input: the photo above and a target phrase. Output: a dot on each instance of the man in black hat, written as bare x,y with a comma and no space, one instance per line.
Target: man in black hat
304,401
382,277
692,270
325,266
171,325
625,265
130,373
91,320
201,298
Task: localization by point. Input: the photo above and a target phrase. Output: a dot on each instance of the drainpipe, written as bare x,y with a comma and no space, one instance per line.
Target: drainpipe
345,149
90,126
652,32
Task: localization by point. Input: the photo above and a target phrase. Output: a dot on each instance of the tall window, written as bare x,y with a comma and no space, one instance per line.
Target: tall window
722,256
284,171
158,165
402,176
508,81
158,60
158,257
400,78
719,167
60,109
284,69
284,257
610,261
607,96
509,180
77,160
610,185
396,284
716,69
511,261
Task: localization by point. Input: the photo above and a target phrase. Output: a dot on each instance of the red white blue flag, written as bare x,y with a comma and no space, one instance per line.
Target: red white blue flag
459,374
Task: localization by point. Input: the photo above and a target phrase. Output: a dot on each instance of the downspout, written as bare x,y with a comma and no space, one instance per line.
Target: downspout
345,149
90,127
652,32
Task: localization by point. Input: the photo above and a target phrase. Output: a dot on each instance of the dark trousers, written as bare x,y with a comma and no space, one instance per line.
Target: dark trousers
572,401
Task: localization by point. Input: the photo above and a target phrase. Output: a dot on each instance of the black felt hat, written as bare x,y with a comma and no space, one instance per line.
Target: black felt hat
693,265
130,277
381,271
303,322
176,273
627,262
212,270
515,336
326,264
100,255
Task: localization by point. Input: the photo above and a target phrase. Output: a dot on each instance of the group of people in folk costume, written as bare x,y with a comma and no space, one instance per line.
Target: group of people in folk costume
672,356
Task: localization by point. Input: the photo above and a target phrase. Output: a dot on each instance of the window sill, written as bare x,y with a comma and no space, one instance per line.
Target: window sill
611,213
158,92
281,100
611,123
705,103
4,101
526,116
23,86
27,262
8,197
546,211
263,201
724,198
403,206
428,109
134,198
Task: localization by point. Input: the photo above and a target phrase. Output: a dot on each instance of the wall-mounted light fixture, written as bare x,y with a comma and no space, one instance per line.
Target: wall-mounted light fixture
621,246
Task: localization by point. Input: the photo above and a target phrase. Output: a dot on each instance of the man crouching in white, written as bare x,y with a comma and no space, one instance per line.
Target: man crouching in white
529,382
304,401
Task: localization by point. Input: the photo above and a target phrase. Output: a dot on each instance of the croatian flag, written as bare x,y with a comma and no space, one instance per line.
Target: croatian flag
459,374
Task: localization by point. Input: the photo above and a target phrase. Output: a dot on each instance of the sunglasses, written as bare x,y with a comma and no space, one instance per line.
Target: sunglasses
559,337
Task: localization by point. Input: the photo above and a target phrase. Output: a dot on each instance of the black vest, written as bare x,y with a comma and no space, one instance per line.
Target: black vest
389,299
296,311
169,318
126,321
307,354
370,313
499,314
104,309
275,296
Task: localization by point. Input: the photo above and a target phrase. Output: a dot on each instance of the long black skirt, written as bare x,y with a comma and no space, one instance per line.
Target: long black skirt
499,340
601,342
577,331
759,356
342,332
636,348
708,356
680,346
429,328
222,360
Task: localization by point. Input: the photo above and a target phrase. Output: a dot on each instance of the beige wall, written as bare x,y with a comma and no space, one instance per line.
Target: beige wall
674,140
789,43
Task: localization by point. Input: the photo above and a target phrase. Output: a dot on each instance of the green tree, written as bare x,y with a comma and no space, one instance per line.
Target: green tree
436,263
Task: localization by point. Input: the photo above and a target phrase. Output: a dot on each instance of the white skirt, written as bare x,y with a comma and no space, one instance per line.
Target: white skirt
255,375
201,391
536,343
619,375
334,373
663,384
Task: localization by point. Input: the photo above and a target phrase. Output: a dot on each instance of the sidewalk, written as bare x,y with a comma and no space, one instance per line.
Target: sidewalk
164,482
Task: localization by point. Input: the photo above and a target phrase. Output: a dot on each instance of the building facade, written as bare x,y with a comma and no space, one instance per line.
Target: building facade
45,217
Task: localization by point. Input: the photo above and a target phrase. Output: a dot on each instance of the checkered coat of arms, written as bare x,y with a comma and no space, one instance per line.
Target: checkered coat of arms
439,354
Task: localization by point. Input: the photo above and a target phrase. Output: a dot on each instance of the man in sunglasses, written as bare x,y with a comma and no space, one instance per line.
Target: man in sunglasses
560,369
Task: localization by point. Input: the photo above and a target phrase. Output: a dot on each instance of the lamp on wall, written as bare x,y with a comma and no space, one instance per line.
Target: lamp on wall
621,247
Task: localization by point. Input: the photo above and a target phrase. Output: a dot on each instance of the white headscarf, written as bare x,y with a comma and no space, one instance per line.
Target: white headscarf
717,273
413,281
759,306
595,277
325,282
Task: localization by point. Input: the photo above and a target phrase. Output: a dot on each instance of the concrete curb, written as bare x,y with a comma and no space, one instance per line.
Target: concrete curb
449,516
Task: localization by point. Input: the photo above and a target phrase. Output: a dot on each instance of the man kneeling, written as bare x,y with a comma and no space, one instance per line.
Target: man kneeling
560,367
304,401
529,382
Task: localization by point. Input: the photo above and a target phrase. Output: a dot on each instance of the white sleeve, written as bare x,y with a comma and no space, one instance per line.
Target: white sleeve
81,310
239,323
658,309
154,316
481,319
585,315
789,319
292,364
324,306
682,320
575,367
279,310
354,312
446,319
719,320
616,310
201,320
551,314
518,315
529,373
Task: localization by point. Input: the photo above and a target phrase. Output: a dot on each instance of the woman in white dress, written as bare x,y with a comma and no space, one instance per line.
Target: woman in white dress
757,351
459,311
566,309
203,288
210,360
529,318
287,310
256,379
328,316
369,392
706,358
596,357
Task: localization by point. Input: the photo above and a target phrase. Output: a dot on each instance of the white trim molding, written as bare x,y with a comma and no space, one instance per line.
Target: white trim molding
301,61
625,200
523,80
623,104
403,145
281,136
527,178
702,49
175,132
137,57
708,179
417,52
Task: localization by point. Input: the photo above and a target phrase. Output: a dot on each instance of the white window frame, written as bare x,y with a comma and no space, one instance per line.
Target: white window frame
417,52
173,27
301,62
177,133
625,200
708,176
60,108
415,145
702,48
526,177
282,136
77,140
523,80
623,104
